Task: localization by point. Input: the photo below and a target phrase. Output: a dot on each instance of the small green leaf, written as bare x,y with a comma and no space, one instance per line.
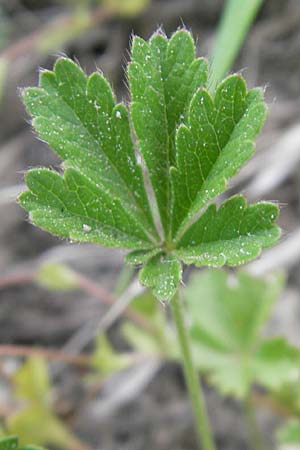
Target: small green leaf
37,424
162,273
32,380
105,359
227,334
35,421
56,276
126,7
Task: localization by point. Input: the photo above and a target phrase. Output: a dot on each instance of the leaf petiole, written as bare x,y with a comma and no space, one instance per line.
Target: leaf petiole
191,376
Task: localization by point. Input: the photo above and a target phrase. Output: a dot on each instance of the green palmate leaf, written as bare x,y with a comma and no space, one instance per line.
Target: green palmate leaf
189,143
227,335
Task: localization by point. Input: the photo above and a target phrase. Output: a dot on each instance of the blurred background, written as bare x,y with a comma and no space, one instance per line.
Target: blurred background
144,407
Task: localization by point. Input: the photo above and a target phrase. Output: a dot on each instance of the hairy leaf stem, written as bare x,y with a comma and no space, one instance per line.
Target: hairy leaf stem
191,376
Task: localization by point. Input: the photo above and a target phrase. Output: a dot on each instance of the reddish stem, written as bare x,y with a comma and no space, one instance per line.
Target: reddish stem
16,278
86,285
93,289
50,354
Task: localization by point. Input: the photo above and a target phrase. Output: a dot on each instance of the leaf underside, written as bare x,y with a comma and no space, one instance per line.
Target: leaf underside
227,336
173,135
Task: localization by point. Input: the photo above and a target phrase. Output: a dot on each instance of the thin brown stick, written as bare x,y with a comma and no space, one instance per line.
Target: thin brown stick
50,354
16,278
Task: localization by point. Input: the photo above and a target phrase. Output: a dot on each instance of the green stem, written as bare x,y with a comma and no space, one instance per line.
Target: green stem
192,379
254,433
